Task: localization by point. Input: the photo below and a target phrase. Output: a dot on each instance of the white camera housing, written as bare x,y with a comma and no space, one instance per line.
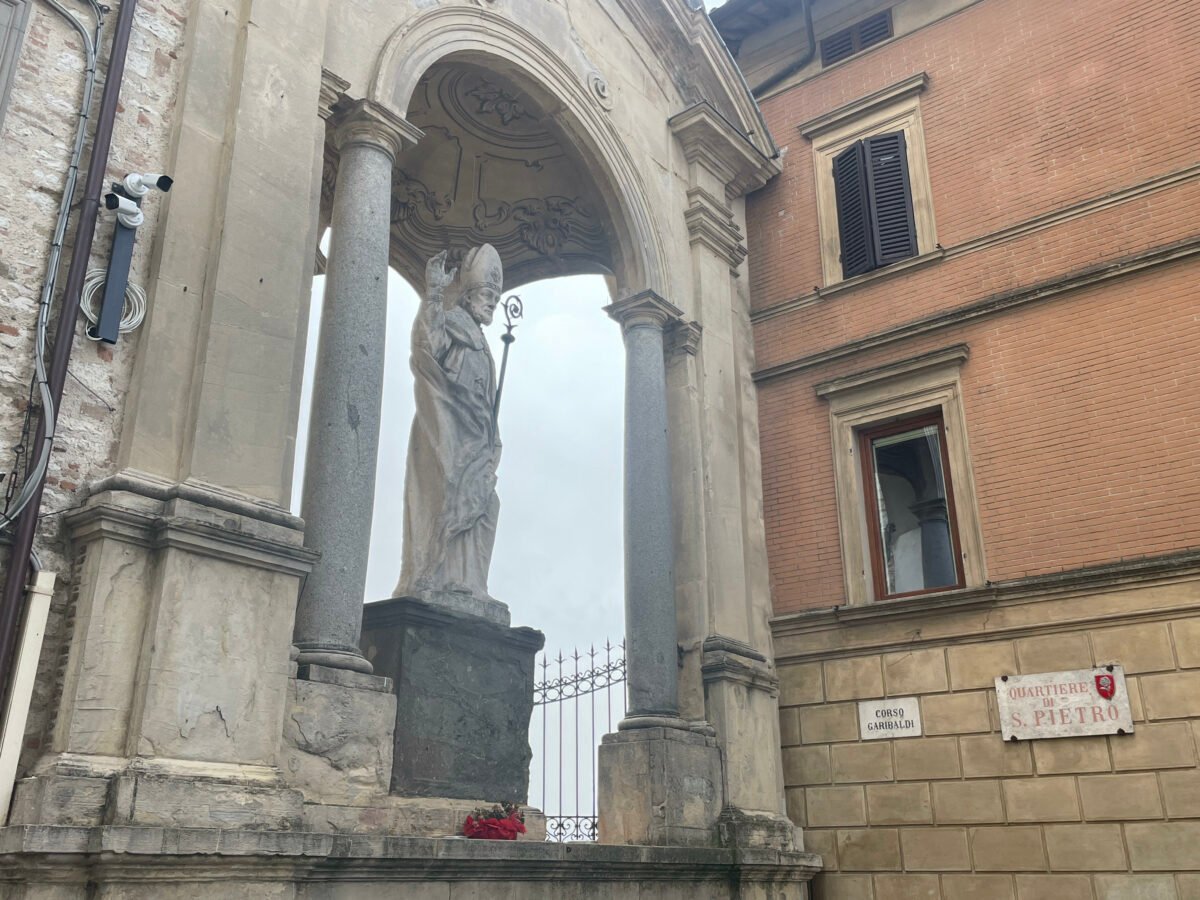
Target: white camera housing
139,185
128,213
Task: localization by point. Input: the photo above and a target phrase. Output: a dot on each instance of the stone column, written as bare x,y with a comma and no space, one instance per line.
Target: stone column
659,779
651,641
937,547
339,482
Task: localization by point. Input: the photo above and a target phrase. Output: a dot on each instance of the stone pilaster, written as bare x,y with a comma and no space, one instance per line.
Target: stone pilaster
339,485
726,641
174,686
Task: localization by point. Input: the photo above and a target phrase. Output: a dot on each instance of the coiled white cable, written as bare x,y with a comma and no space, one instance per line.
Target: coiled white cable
135,302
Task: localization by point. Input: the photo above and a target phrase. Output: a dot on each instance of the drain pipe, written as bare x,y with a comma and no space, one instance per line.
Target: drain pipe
11,600
799,64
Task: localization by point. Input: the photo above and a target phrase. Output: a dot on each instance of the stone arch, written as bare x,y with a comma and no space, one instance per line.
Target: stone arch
579,101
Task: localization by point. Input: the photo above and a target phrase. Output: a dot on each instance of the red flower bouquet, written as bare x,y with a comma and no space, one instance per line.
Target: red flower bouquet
503,822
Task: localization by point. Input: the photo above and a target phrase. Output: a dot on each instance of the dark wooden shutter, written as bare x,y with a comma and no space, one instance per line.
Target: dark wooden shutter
893,232
837,47
875,29
853,209
858,37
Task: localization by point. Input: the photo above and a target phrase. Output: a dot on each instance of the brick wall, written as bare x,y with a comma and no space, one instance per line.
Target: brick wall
958,812
1081,415
36,137
1081,410
1031,106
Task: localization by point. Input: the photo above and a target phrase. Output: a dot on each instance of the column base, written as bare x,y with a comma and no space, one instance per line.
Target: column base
333,656
634,721
743,830
660,787
741,691
175,681
337,736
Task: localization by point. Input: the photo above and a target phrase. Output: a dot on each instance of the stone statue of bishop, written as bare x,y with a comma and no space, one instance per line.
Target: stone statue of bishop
450,501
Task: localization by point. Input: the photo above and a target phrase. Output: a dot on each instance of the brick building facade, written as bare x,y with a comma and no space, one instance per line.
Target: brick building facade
1042,327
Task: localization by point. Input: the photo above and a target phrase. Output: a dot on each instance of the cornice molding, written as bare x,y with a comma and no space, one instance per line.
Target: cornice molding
903,618
952,356
713,226
683,338
862,106
333,88
997,303
709,140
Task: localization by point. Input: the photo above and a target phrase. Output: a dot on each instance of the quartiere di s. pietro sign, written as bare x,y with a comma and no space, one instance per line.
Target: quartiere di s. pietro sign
1064,704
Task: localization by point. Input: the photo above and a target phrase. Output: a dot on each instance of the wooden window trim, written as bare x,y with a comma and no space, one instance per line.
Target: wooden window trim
875,526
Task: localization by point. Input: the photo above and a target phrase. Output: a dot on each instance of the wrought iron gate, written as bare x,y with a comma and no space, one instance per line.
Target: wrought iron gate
575,704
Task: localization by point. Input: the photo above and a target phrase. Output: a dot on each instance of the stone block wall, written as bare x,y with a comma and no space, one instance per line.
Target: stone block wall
958,812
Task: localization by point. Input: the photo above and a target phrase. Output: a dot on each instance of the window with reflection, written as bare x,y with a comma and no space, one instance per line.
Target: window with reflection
913,533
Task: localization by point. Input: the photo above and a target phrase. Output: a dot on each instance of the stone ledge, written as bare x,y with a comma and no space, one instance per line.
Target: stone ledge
896,617
176,852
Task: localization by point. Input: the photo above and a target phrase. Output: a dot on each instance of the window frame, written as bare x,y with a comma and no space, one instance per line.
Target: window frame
896,392
866,436
894,108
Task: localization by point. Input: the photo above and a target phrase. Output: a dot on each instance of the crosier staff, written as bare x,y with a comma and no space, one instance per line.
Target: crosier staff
514,309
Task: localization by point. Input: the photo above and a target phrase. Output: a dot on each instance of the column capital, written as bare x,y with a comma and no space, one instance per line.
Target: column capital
684,338
646,308
371,123
333,88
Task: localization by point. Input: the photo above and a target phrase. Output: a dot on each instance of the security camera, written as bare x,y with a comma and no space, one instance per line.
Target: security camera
128,213
138,185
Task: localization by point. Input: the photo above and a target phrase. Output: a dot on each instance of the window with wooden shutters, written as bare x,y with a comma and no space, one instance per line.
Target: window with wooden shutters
874,204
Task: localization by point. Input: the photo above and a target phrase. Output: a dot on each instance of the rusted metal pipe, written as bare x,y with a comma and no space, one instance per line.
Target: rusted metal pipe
11,601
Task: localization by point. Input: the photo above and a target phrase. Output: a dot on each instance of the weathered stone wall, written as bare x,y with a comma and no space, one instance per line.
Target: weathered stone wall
37,136
959,812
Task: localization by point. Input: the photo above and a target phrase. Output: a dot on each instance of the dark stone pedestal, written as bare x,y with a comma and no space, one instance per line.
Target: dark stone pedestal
464,689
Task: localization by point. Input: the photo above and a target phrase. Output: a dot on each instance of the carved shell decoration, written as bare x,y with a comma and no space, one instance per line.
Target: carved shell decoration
598,85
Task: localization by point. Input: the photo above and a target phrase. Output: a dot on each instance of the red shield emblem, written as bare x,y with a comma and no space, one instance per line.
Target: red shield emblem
1106,686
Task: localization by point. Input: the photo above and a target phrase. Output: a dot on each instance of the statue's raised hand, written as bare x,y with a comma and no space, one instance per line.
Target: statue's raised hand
437,278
